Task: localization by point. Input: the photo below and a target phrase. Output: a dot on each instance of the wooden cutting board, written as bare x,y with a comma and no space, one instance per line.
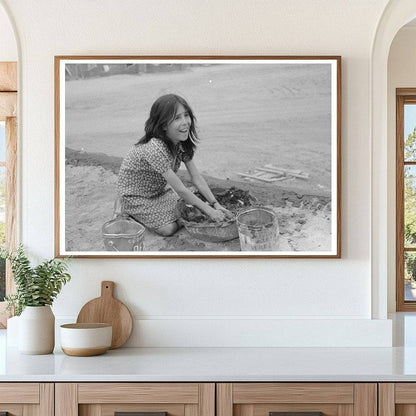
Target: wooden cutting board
107,309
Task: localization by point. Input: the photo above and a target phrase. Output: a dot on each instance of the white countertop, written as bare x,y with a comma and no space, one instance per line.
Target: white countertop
221,364
213,364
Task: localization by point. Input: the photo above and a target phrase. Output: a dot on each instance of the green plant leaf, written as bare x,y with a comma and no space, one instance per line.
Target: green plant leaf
35,286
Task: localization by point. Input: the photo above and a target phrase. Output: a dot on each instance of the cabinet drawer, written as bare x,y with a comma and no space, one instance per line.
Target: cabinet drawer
296,399
107,399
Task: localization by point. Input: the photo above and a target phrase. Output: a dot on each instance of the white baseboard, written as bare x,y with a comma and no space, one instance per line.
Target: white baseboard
258,332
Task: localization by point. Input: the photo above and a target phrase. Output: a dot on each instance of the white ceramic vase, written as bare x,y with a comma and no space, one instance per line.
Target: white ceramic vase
37,330
13,331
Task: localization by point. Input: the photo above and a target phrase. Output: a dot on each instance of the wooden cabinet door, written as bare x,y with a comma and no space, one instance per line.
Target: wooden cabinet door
27,399
397,399
153,399
297,399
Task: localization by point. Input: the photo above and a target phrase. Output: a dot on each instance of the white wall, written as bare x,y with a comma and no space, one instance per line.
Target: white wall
180,302
401,74
8,46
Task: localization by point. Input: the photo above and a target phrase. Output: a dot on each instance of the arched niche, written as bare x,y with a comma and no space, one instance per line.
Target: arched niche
396,14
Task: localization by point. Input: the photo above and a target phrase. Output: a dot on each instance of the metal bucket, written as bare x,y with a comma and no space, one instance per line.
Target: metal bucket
123,234
258,229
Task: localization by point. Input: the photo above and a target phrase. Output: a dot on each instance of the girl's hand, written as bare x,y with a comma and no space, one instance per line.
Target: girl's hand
228,214
216,214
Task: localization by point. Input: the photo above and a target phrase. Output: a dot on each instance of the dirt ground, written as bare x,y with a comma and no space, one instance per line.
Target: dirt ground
304,220
247,118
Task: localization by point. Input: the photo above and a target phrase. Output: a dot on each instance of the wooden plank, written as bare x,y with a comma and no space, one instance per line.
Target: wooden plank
386,400
247,410
293,393
138,393
284,172
31,410
271,171
191,410
8,76
207,399
365,403
297,171
8,105
224,399
405,393
47,399
345,410
27,393
257,178
66,399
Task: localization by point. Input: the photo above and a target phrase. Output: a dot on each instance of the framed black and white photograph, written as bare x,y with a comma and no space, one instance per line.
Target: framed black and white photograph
198,156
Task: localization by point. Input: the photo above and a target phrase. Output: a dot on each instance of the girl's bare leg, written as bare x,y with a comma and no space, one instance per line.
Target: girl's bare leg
167,230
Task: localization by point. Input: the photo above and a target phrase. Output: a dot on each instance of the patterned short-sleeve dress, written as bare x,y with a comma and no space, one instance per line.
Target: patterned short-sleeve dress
144,192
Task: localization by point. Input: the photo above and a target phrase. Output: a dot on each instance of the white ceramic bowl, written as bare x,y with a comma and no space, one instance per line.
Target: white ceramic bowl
84,340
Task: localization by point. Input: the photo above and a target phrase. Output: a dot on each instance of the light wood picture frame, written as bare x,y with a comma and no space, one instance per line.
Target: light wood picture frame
267,131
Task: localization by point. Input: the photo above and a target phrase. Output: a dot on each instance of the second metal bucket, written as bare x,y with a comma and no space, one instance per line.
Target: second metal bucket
258,229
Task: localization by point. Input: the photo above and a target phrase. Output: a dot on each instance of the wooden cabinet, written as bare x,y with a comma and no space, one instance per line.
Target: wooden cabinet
27,399
297,399
207,399
105,399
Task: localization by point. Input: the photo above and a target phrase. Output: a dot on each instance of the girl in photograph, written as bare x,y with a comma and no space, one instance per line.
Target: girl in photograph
148,185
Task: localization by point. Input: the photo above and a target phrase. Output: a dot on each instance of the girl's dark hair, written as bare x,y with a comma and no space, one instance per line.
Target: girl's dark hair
161,114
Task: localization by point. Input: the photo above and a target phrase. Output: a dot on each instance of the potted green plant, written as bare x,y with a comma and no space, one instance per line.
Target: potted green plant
36,289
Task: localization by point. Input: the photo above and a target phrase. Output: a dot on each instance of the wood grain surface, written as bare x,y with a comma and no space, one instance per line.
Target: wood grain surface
225,399
27,393
252,393
66,399
365,399
110,393
8,76
47,401
405,393
207,399
8,105
107,309
386,399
